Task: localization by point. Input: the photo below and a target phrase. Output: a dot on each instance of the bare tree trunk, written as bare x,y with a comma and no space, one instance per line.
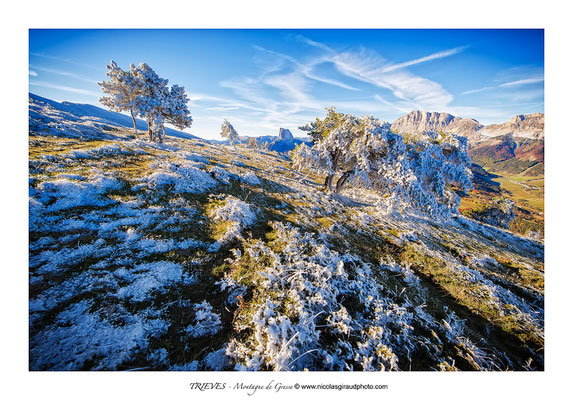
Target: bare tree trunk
150,132
163,135
342,180
134,123
328,183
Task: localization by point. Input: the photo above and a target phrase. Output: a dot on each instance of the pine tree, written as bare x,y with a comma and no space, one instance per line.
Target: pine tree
175,111
121,90
152,96
142,92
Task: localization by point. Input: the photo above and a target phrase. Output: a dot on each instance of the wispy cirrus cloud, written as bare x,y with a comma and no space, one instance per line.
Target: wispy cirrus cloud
306,68
512,78
313,43
522,82
65,88
66,60
32,73
222,108
222,102
479,90
434,56
411,90
62,72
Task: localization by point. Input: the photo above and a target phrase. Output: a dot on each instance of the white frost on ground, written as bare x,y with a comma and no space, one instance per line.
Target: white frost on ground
182,177
251,178
238,213
108,150
146,278
63,193
207,322
79,336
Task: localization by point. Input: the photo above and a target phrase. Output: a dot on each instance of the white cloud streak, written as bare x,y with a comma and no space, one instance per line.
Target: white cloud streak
305,68
512,84
66,60
63,73
412,89
522,82
65,88
435,56
314,44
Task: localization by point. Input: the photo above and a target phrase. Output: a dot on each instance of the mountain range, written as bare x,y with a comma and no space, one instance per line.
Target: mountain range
515,146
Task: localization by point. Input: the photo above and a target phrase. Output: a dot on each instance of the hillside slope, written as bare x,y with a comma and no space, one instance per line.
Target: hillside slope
82,120
190,255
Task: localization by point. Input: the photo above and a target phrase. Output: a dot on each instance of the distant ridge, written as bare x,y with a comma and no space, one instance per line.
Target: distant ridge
424,121
529,126
516,146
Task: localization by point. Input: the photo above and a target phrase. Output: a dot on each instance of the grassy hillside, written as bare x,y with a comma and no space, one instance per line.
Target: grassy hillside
189,255
527,192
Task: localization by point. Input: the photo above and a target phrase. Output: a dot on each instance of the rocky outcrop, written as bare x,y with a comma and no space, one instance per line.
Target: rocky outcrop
285,135
423,121
283,143
499,212
530,126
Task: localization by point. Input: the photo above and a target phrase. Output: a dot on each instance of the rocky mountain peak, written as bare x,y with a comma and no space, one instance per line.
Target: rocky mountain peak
516,119
424,121
529,126
285,134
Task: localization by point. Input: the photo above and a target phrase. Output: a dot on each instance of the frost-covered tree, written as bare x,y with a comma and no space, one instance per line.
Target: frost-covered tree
121,92
176,111
228,132
153,93
414,171
141,91
253,143
332,138
313,130
172,109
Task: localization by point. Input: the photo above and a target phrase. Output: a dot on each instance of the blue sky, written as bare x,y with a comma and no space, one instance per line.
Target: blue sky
261,80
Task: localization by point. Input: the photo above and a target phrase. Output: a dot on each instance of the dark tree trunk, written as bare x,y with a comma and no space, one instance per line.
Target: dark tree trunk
334,159
334,156
342,180
328,183
150,132
134,124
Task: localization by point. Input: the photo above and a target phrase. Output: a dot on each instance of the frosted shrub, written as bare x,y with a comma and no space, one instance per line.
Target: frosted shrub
228,132
407,172
235,212
299,290
207,322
